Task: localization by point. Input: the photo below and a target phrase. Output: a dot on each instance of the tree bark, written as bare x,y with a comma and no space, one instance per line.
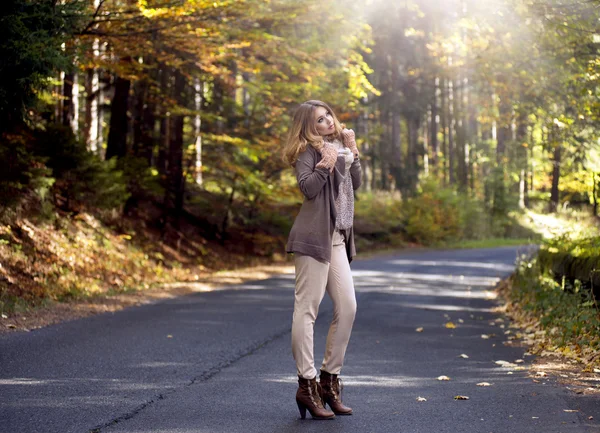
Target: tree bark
556,162
522,158
412,163
164,134
175,180
451,131
396,150
68,109
504,133
119,122
198,96
434,125
595,193
92,87
444,125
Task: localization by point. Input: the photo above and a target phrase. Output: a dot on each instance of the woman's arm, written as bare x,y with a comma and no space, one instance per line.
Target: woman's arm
310,178
356,174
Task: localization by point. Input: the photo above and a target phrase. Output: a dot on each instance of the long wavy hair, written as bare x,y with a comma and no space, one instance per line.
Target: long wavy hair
304,131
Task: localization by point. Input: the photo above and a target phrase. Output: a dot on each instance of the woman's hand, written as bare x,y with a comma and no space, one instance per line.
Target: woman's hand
349,140
329,156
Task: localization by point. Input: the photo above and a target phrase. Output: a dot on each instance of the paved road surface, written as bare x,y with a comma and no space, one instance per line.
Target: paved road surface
221,362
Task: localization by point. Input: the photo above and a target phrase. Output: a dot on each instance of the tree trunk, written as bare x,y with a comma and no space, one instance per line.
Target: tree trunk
117,134
451,130
434,126
444,124
362,130
164,139
504,132
462,153
175,180
68,108
396,150
426,146
92,87
522,160
198,95
556,162
595,193
412,163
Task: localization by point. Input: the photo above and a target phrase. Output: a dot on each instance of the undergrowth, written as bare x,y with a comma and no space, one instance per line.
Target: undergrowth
558,316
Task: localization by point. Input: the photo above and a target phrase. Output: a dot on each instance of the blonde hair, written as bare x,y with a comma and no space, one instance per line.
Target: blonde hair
304,131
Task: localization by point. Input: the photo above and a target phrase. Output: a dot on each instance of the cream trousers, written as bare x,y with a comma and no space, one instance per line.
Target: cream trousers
312,279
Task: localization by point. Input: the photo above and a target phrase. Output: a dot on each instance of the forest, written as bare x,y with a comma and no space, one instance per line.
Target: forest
158,126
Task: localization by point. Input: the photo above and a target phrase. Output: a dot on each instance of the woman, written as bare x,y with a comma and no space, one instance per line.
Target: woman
325,159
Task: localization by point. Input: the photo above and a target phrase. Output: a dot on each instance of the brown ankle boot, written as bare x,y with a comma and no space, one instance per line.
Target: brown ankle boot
309,397
331,392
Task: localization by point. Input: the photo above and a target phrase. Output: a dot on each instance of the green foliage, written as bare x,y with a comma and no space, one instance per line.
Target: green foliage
573,259
568,315
31,35
20,171
378,218
442,215
81,178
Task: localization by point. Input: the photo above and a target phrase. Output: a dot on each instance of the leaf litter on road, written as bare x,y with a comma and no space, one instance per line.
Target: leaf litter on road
443,378
421,399
461,397
484,384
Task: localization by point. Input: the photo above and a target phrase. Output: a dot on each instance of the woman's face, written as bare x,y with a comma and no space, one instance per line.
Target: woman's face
324,122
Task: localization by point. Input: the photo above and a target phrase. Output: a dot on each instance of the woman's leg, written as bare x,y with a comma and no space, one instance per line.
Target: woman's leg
311,280
340,288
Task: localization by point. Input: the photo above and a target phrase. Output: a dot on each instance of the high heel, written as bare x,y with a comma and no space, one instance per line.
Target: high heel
331,393
308,397
302,410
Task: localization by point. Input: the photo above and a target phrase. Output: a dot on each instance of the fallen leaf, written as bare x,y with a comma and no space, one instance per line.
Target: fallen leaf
461,321
169,336
519,361
11,326
570,410
484,384
461,397
590,418
485,336
450,325
421,399
464,356
420,329
4,316
541,374
506,364
596,370
535,417
443,378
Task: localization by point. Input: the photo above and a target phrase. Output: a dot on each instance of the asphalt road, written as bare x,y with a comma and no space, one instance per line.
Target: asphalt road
221,361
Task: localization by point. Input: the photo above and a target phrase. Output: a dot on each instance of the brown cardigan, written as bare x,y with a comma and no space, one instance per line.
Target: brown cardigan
313,228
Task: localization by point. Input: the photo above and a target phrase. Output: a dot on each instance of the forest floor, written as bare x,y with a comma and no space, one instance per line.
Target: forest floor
77,267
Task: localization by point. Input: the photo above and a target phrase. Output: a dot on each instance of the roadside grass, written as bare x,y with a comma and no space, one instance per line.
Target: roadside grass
551,297
488,243
554,318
